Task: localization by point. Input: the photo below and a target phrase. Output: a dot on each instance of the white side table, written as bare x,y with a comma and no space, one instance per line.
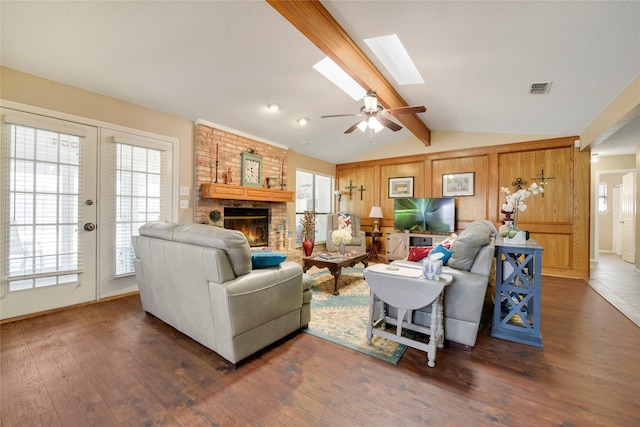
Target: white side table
407,290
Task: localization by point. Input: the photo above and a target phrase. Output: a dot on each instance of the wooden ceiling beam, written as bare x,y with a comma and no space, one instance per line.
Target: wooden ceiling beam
317,24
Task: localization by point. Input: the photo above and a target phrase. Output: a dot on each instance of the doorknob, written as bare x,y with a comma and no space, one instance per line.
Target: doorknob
89,226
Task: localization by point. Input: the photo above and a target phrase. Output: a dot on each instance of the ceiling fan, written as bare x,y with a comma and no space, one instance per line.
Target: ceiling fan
374,115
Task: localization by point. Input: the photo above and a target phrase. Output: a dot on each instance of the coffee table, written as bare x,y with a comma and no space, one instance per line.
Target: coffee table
335,265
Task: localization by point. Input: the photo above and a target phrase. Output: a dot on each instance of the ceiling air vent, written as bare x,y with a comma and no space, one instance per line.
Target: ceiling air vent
539,88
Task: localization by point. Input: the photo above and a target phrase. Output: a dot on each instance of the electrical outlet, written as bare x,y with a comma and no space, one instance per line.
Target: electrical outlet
184,190
184,204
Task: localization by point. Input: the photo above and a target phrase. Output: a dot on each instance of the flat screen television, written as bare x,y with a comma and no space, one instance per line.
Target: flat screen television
428,214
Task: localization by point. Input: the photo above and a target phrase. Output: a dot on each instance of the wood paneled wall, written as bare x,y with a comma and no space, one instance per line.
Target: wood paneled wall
559,221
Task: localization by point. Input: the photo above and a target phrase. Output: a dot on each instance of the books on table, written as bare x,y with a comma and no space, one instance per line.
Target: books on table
330,256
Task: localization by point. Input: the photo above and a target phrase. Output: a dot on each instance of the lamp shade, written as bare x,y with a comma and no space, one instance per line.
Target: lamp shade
376,212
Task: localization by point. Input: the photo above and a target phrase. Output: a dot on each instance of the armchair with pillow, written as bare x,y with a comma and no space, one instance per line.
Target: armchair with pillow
351,223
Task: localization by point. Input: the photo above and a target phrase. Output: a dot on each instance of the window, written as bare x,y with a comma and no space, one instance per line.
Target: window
137,198
313,193
602,198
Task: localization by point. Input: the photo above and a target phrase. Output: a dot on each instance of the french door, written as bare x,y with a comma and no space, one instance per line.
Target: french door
137,184
49,213
68,239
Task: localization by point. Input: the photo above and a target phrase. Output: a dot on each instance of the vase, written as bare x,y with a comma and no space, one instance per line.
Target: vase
341,248
307,246
518,239
505,228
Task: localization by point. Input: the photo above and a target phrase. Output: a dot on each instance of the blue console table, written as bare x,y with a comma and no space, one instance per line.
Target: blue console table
516,314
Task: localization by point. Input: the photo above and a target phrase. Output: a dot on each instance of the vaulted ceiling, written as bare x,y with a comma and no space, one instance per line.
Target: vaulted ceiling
223,62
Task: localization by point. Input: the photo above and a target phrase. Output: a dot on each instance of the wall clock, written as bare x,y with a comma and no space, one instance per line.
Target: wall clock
251,170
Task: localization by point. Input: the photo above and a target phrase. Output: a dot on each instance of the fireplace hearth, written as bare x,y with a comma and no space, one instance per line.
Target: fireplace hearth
252,222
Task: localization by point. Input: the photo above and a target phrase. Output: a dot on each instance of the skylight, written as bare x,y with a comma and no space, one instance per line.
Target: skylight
340,78
394,57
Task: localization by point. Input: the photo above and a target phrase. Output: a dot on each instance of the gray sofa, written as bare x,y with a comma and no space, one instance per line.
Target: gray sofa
464,298
199,279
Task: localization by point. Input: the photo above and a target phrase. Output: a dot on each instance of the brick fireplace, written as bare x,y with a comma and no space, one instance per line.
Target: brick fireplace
226,148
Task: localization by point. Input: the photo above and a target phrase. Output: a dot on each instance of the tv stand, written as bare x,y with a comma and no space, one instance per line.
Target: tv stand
398,244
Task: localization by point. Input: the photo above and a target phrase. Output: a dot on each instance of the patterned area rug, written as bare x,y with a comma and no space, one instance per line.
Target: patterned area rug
343,319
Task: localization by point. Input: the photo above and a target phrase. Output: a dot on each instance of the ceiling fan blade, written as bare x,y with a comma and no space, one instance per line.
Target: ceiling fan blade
340,115
405,110
389,124
352,128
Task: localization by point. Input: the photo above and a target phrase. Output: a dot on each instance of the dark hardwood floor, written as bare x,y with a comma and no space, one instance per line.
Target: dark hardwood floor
109,364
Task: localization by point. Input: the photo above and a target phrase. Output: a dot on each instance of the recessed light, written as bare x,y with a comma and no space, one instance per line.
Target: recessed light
391,52
304,143
302,121
273,107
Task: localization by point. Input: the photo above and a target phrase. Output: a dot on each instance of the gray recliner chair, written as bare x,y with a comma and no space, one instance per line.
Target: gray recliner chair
201,280
358,239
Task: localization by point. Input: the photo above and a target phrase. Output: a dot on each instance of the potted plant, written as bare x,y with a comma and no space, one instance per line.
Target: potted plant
513,206
215,216
308,222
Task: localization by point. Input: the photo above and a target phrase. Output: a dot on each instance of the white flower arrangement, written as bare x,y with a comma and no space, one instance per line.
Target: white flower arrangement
515,202
340,236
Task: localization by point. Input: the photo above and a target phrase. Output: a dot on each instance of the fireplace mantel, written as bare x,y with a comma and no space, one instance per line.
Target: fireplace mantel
238,192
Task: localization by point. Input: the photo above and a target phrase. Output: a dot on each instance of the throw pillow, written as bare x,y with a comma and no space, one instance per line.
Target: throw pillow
439,253
466,247
344,222
449,241
266,259
416,253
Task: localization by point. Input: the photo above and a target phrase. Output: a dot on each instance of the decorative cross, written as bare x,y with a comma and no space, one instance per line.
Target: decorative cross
351,187
519,183
361,190
544,180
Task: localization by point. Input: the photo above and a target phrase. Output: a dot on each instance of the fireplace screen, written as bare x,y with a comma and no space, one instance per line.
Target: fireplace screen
252,222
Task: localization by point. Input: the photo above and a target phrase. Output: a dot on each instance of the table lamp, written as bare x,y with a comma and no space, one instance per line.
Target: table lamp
376,213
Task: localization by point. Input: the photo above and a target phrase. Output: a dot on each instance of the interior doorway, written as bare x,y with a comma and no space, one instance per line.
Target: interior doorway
608,238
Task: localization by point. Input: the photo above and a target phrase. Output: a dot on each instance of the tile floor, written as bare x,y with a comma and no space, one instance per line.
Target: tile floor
619,283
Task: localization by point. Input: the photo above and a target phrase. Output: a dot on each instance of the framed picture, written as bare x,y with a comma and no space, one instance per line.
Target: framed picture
458,184
401,187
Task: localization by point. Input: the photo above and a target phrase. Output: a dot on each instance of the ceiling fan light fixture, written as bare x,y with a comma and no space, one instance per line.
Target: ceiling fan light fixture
370,101
375,124
362,125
